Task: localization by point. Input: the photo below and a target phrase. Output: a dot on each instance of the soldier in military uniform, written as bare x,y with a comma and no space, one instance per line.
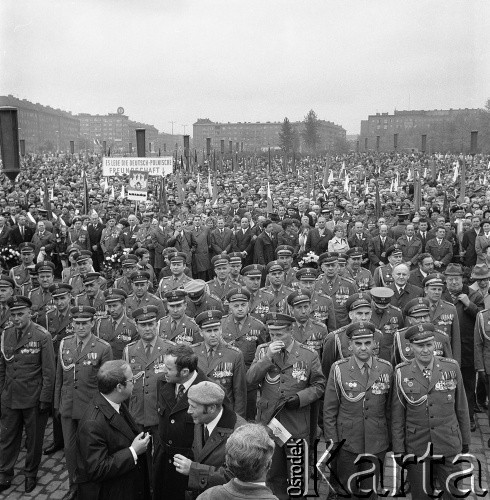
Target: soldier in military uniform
27,376
140,296
337,344
242,330
221,284
383,275
361,276
93,296
177,326
416,312
72,270
58,322
443,314
429,407
387,318
33,282
291,379
145,356
482,347
277,288
260,300
321,304
284,255
221,362
40,297
357,406
7,287
20,273
80,357
199,300
117,328
235,268
335,286
178,279
129,266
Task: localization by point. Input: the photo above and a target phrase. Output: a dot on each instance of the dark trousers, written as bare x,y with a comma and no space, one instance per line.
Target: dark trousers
481,388
70,427
11,424
251,403
346,470
469,382
441,471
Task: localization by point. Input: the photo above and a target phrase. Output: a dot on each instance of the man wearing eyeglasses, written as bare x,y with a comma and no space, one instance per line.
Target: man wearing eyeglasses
80,357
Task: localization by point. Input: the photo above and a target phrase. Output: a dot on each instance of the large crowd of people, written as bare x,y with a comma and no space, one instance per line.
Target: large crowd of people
341,297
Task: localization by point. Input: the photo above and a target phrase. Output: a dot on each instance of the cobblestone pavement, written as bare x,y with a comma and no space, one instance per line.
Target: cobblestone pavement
53,478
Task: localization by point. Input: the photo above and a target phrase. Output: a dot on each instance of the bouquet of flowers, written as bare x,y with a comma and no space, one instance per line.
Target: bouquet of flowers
112,266
9,257
309,260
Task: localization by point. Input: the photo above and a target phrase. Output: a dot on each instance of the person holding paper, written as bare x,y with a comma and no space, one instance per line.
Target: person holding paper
291,379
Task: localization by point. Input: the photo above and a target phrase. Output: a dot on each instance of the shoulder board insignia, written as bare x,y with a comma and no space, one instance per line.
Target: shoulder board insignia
215,297
449,360
401,365
132,343
265,292
317,322
232,347
197,344
307,347
42,329
254,320
446,302
339,330
381,360
210,282
441,332
345,278
394,307
340,361
102,341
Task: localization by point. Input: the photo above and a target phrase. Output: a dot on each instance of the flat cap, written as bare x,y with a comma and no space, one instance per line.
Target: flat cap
45,267
360,330
220,260
83,255
18,302
209,319
26,247
129,260
394,250
357,300
91,278
206,393
328,257
299,297
418,306
433,279
381,294
115,295
307,274
354,252
453,270
178,257
82,313
285,250
252,270
6,281
420,333
140,276
278,321
274,265
175,296
235,258
60,289
238,294
145,314
195,287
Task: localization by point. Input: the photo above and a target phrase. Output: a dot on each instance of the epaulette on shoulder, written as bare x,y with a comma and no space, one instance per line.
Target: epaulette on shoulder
255,320
441,332
34,289
197,344
339,330
80,294
447,302
210,282
214,297
349,280
171,342
340,361
449,360
321,293
394,307
263,290
132,343
42,329
102,341
317,322
401,365
383,361
67,338
232,347
307,347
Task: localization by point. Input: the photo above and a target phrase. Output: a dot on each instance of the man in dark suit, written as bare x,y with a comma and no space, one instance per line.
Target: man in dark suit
410,246
94,230
183,241
468,243
423,233
43,240
127,238
404,291
440,249
425,267
265,245
377,247
4,232
235,210
221,238
111,450
175,427
214,424
21,232
243,240
318,237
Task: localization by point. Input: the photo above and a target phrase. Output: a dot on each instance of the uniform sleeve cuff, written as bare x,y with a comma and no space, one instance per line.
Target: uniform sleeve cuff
135,457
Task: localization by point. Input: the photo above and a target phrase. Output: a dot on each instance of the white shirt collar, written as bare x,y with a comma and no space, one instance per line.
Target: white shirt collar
186,384
211,425
114,405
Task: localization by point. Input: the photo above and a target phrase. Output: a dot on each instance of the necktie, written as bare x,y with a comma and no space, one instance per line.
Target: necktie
79,347
22,231
180,392
210,352
366,371
148,351
19,335
423,236
173,326
426,373
206,434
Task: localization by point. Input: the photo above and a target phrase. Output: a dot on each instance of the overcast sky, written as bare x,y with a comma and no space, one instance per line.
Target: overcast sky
253,60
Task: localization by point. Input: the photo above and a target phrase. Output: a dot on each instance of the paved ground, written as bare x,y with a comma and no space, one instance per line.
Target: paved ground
53,478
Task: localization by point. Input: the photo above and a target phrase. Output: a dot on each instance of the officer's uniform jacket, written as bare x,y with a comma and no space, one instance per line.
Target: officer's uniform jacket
186,330
97,302
27,370
312,334
143,401
280,300
290,279
322,309
59,328
252,334
25,289
388,323
339,291
299,374
20,274
124,283
133,303
169,283
336,347
120,336
358,411
5,319
383,276
42,303
363,278
227,369
76,282
433,411
445,318
208,302
220,289
403,352
69,272
76,375
260,304
482,341
238,282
